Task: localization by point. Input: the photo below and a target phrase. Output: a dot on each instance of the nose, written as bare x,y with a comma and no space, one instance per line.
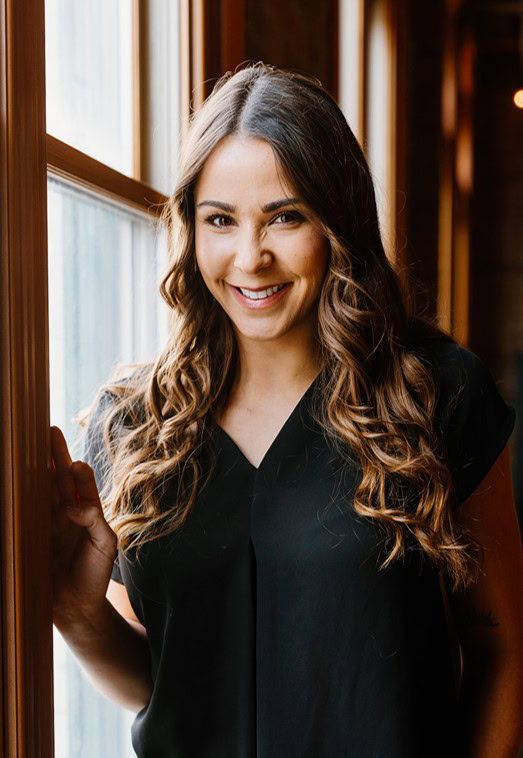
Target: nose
251,255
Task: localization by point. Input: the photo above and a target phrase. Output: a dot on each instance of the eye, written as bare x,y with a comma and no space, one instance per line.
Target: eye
293,216
210,219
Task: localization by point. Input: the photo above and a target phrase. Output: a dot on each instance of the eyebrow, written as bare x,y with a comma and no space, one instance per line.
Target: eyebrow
265,208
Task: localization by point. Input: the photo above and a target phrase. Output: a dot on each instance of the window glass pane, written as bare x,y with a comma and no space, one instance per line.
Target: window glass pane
105,266
88,49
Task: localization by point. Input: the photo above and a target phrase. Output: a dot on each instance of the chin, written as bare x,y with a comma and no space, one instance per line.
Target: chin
261,334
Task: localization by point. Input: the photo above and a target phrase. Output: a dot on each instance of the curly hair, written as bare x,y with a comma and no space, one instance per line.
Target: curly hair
378,395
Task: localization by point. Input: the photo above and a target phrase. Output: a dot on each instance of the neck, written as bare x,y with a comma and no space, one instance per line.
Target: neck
268,369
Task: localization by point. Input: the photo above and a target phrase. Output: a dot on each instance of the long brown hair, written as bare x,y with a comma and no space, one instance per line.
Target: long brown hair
378,395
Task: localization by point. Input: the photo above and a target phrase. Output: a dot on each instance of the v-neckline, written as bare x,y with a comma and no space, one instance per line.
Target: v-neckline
286,424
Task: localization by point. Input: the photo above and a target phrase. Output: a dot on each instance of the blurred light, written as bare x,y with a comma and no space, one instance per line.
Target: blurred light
518,98
464,156
448,94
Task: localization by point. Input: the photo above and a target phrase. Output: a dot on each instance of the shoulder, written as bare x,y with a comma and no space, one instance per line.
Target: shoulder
471,411
449,359
124,391
458,372
116,407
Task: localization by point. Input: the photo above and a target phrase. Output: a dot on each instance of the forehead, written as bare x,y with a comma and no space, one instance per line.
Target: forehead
240,163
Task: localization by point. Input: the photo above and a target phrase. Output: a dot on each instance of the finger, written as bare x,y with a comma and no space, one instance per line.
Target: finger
89,500
62,524
56,497
62,462
59,448
87,511
85,483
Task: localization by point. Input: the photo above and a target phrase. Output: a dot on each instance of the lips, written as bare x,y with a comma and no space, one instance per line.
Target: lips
258,289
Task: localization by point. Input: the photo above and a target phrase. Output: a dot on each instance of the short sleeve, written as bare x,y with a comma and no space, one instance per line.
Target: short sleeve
477,420
97,456
116,575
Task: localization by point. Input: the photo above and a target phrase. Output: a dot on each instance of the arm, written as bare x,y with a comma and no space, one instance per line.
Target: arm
113,652
489,622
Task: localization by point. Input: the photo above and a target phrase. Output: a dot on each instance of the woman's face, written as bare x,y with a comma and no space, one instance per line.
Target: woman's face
249,234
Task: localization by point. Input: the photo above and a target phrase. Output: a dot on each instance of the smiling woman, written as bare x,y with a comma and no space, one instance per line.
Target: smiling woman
284,479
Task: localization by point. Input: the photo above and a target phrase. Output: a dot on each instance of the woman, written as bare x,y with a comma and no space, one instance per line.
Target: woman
294,481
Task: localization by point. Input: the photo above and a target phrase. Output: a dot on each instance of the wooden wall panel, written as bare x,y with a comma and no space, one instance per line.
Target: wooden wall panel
301,34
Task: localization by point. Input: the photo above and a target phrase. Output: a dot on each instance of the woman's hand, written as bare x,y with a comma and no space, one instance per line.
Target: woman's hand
84,545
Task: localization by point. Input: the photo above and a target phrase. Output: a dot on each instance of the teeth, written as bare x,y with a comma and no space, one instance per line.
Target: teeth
262,293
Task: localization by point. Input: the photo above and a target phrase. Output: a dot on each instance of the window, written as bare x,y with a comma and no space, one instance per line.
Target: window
105,263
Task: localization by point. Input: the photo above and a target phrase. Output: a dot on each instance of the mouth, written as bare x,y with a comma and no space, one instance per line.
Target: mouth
261,297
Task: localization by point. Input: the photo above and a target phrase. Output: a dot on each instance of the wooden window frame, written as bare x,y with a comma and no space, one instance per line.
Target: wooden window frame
67,162
26,621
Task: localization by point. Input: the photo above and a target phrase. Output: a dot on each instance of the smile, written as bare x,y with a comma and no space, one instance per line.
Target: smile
260,293
261,298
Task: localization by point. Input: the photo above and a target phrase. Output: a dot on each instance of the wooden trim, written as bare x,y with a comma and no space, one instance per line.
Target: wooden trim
463,169
137,56
400,14
64,160
365,24
362,103
25,526
198,52
447,189
335,51
392,132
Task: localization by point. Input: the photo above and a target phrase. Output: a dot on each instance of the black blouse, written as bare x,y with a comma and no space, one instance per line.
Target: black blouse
272,632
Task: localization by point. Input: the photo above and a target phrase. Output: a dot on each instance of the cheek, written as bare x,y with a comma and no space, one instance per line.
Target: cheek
312,261
208,256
